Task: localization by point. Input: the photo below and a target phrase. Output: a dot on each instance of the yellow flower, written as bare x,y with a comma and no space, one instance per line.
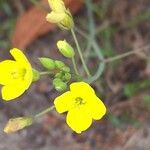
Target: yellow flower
60,15
57,5
16,75
82,105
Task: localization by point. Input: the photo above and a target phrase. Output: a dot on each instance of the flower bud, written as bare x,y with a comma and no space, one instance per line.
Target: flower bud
16,124
65,49
65,69
59,64
58,75
55,17
56,80
57,5
67,77
60,15
59,84
67,23
36,75
47,63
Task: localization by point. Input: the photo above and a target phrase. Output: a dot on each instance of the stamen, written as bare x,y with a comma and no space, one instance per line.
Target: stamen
79,101
18,74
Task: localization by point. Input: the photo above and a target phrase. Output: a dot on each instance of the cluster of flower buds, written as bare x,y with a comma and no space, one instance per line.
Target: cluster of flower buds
61,72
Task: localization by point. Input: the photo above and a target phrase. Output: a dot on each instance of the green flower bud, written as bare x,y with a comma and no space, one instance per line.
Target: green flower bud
58,75
47,63
59,64
16,124
67,77
67,23
59,84
36,75
65,49
56,80
65,69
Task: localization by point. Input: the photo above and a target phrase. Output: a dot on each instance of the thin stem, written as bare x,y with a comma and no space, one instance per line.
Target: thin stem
44,111
75,66
108,60
45,73
94,44
125,54
100,67
80,53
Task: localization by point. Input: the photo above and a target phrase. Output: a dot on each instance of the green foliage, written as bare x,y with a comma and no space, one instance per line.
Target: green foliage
107,47
139,18
7,23
6,7
102,8
147,101
130,89
122,120
114,120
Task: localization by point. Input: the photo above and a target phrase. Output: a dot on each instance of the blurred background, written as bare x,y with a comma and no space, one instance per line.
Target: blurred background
124,85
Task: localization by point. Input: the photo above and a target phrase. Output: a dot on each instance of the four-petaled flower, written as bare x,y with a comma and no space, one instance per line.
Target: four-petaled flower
15,75
82,105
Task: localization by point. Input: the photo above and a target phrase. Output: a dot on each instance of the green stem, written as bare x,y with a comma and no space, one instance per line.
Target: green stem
75,66
80,53
126,54
45,73
44,111
94,44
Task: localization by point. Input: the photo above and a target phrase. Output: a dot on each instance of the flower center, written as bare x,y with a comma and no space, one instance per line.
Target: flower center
18,73
79,101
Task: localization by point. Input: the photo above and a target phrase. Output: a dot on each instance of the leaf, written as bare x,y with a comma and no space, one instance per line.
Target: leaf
130,89
33,24
147,101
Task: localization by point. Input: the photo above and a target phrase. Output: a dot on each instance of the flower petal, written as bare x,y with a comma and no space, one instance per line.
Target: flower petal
24,63
12,91
64,102
54,17
19,56
81,88
5,68
97,107
79,119
57,5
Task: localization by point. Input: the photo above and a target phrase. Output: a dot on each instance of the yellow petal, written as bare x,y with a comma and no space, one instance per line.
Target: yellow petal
5,71
81,89
10,92
64,102
19,56
54,17
57,5
79,119
96,107
24,63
